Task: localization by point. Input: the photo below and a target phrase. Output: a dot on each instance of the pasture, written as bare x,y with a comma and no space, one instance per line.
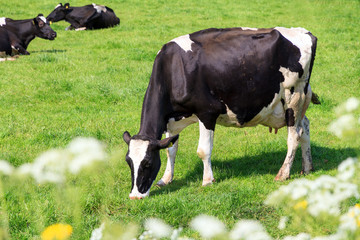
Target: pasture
92,83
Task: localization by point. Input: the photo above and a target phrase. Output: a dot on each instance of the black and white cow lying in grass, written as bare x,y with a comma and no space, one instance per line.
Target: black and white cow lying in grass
236,77
15,35
87,17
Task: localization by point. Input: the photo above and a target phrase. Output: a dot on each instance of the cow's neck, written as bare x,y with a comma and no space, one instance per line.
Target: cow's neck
156,108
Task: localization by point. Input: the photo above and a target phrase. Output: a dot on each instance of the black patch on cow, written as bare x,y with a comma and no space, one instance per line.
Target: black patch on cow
131,165
313,53
290,117
292,90
283,102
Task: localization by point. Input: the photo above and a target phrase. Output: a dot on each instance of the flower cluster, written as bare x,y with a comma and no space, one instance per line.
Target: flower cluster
348,121
52,165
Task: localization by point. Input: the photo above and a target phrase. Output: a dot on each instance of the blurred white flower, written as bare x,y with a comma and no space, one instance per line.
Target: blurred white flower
158,228
6,168
346,169
352,104
350,221
85,151
343,124
97,232
322,195
50,166
176,233
282,222
300,236
249,230
207,226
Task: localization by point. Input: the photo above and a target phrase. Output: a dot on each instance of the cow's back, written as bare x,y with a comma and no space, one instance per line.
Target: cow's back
226,68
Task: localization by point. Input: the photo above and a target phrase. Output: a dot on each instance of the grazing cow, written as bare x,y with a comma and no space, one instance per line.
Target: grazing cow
19,33
87,17
236,77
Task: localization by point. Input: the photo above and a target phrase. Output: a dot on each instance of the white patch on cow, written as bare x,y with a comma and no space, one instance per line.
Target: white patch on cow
137,151
80,29
59,5
248,28
184,42
272,115
290,78
99,8
302,40
43,19
2,21
176,127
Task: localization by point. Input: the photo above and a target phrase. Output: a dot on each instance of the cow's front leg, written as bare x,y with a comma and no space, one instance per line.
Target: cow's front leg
205,146
307,164
169,171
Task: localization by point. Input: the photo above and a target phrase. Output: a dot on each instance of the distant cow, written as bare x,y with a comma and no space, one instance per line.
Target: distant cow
236,77
87,17
17,34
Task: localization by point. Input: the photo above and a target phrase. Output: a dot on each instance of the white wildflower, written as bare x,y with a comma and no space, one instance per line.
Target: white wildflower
97,232
346,169
282,222
158,228
300,236
50,166
176,233
343,124
207,226
352,104
350,221
25,169
85,151
6,168
249,230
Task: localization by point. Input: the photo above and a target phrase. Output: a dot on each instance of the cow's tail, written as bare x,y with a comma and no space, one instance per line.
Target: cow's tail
315,98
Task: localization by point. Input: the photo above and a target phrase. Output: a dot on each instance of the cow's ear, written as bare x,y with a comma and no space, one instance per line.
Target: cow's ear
167,142
67,5
126,137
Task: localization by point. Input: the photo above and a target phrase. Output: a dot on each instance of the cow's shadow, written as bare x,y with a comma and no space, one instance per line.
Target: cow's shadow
265,163
50,51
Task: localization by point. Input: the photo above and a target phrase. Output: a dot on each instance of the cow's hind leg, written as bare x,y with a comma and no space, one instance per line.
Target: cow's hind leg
205,146
307,164
294,103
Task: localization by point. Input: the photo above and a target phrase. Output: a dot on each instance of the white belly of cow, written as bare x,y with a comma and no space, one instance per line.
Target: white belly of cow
273,116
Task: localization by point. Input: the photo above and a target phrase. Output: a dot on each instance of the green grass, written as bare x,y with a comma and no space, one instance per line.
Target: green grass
92,83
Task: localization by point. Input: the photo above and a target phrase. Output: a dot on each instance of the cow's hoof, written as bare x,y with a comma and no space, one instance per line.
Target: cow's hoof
281,178
161,183
207,183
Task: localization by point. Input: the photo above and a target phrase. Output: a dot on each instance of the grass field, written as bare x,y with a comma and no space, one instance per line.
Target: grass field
92,83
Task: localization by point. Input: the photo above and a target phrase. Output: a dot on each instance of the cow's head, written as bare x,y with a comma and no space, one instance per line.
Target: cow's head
59,12
143,158
43,29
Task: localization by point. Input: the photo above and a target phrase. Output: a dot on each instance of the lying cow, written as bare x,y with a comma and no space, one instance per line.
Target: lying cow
236,77
87,17
17,34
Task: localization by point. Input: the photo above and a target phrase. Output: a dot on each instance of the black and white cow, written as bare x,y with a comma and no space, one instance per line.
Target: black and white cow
19,33
87,17
236,77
